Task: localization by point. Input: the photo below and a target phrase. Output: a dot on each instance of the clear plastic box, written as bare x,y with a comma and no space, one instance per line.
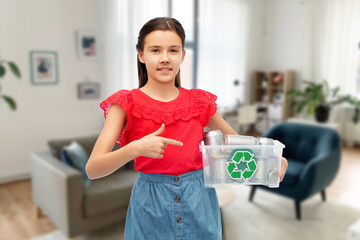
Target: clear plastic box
242,164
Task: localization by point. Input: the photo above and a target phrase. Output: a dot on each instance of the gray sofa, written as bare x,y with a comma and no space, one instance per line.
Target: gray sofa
59,193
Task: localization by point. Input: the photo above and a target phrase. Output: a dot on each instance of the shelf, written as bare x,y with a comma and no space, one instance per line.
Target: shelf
277,88
279,82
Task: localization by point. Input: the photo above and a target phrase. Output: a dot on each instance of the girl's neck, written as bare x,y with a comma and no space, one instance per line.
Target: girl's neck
161,91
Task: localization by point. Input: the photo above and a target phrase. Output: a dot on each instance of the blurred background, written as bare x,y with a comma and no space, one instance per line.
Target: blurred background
59,59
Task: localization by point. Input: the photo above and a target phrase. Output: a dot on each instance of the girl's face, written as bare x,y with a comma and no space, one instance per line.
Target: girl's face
162,55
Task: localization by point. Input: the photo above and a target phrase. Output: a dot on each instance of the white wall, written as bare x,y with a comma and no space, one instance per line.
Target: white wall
255,39
284,34
276,29
44,111
275,37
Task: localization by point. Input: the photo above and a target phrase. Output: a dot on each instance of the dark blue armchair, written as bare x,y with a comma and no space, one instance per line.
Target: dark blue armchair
313,154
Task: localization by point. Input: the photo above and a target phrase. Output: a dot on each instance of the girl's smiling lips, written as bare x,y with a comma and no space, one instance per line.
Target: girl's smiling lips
164,69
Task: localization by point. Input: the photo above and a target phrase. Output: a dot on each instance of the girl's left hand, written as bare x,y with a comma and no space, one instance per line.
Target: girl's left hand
283,168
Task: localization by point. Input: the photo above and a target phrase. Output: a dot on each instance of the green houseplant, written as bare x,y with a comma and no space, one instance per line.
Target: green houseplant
15,70
317,98
356,103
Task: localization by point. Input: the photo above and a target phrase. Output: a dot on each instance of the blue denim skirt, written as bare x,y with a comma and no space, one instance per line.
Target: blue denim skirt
169,207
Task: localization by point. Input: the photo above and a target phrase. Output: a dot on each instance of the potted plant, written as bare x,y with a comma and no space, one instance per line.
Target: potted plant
351,127
317,98
15,70
264,81
356,103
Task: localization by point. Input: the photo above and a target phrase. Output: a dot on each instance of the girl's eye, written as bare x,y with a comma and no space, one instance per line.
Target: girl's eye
174,50
155,50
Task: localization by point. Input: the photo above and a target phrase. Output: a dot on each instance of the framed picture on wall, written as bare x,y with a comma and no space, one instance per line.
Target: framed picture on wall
44,67
88,90
87,45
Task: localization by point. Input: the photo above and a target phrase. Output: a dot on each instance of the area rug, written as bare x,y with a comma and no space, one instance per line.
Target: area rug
272,217
268,217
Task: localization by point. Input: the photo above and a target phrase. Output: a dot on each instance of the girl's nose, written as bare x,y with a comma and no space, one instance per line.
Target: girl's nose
164,58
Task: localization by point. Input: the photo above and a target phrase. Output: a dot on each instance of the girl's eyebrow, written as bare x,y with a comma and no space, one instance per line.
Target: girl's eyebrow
156,46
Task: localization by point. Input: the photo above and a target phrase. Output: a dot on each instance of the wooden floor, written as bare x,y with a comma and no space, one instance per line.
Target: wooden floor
18,219
345,188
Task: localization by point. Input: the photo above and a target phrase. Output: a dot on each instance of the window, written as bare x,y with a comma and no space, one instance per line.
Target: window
222,49
185,11
215,45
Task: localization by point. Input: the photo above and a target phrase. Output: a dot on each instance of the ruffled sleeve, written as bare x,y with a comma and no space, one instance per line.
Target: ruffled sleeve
205,104
120,98
210,99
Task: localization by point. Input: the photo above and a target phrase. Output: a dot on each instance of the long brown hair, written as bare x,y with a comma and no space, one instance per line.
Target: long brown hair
161,23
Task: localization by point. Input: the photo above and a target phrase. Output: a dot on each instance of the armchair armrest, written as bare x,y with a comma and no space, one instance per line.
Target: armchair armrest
57,189
319,173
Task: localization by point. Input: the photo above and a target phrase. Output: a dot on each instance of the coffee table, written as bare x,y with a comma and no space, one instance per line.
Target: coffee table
226,196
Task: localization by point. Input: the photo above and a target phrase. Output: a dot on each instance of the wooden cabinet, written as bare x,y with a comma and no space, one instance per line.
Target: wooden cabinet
270,93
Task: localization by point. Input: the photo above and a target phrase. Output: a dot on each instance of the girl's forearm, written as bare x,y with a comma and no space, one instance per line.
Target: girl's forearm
105,164
228,130
217,122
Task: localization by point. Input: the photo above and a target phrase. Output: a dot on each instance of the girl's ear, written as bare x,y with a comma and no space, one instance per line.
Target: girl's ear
183,55
141,57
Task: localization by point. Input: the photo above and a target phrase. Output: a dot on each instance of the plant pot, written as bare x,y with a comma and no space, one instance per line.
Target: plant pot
322,113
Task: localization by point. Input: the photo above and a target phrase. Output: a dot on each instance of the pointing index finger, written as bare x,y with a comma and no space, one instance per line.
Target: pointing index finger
172,142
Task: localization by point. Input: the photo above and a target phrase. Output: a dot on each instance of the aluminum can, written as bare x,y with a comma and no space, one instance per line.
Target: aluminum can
220,174
265,141
213,138
265,154
239,140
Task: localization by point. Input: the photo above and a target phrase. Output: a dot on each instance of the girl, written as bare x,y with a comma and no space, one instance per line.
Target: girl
160,125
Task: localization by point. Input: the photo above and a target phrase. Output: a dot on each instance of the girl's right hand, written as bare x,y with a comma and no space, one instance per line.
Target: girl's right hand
153,145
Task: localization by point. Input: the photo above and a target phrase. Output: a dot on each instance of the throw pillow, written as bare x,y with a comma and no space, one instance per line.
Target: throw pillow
65,157
77,157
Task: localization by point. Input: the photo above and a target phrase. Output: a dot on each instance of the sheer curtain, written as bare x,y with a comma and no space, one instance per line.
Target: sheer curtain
222,44
331,41
121,21
222,49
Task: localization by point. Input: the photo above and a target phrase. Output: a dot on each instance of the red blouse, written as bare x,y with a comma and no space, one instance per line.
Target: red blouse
184,117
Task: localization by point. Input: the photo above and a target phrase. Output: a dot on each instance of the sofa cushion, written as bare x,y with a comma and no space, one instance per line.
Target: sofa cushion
77,157
65,157
109,193
293,172
86,142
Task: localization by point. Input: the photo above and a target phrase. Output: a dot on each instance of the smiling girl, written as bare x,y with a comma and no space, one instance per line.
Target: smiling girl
160,125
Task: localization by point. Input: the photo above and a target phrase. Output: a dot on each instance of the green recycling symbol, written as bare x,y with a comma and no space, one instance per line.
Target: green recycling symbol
238,158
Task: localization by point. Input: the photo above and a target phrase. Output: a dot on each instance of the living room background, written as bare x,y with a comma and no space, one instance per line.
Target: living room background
270,35
45,111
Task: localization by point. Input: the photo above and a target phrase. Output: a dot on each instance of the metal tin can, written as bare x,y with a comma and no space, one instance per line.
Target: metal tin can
214,137
265,141
264,157
239,140
220,166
